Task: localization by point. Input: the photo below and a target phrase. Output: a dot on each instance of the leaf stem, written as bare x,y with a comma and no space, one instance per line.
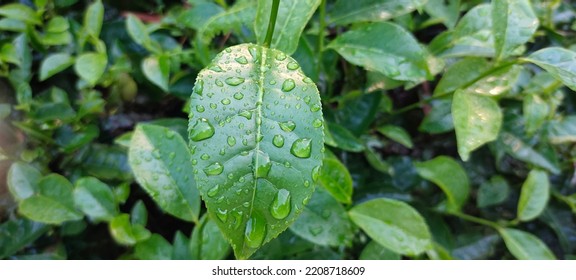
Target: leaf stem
475,219
271,23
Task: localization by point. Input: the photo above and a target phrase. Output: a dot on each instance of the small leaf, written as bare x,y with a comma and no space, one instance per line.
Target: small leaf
525,246
93,19
181,248
477,121
398,134
139,214
207,241
20,12
461,74
256,131
481,249
293,15
449,176
536,111
53,204
137,31
400,59
336,179
534,195
472,36
91,66
125,233
157,70
324,222
154,248
17,234
447,11
343,138
514,23
559,62
22,180
375,251
95,199
54,64
515,147
394,225
439,120
160,161
562,131
493,192
346,12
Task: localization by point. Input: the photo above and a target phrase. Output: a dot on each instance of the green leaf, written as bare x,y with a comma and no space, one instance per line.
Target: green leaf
207,241
139,214
343,138
22,180
472,35
446,11
53,204
324,222
91,66
57,25
368,46
398,134
346,11
9,54
336,179
54,64
534,195
477,121
562,131
104,162
517,148
95,199
493,192
293,15
125,233
536,111
479,249
256,131
181,248
93,19
137,31
13,25
559,62
375,251
513,23
161,164
199,15
17,234
157,70
439,120
449,176
525,246
393,224
154,248
20,12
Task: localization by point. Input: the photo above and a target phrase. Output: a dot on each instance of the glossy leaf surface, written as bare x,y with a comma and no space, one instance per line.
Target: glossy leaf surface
346,11
525,246
256,135
161,164
22,180
95,199
336,179
207,241
534,195
559,62
514,22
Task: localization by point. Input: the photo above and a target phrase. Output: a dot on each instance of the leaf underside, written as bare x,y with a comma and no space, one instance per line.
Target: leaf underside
256,138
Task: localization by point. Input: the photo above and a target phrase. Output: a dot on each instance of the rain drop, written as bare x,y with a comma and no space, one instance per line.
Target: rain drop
225,101
219,83
315,230
234,81
288,85
238,96
315,108
242,60
213,106
263,164
213,191
201,130
205,157
287,126
231,141
216,68
222,215
214,169
278,141
170,134
308,80
301,148
237,219
255,232
199,87
280,207
317,123
292,65
280,56
316,173
246,113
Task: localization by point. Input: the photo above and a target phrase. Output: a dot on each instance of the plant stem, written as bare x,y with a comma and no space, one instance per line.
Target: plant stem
475,219
271,23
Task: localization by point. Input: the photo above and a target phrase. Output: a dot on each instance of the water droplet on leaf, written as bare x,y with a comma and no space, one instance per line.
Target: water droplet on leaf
201,130
287,126
213,191
242,60
234,81
288,85
280,207
214,169
301,148
292,65
255,232
278,140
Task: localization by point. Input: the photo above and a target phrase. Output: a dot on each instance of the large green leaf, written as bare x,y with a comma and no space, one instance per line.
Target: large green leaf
95,199
54,64
93,19
22,180
324,222
559,62
514,23
53,204
207,241
336,179
477,121
370,47
161,164
256,132
562,131
534,195
16,234
525,246
472,35
293,15
461,74
394,225
449,176
91,66
346,11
